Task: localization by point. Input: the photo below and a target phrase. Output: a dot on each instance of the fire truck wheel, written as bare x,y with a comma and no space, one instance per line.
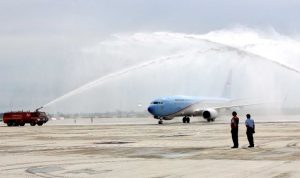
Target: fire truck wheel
10,123
40,123
22,124
32,123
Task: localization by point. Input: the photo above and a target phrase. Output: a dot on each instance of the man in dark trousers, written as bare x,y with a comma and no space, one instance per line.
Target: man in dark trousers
235,130
250,130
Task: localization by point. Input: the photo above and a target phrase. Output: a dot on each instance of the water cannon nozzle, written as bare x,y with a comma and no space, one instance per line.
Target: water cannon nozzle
39,108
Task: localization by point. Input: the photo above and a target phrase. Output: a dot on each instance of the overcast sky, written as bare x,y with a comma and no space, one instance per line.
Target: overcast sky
100,17
42,41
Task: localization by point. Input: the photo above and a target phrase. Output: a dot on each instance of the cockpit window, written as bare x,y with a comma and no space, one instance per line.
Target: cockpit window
157,102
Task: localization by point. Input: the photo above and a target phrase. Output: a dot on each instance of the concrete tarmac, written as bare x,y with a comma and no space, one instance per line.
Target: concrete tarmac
145,149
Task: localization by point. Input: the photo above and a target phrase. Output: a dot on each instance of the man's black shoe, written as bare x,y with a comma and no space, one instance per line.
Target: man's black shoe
250,146
234,147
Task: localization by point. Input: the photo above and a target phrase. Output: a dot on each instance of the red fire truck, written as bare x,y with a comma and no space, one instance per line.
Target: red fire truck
20,118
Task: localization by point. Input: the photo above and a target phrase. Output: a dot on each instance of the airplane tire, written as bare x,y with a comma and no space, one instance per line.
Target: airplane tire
184,120
187,120
160,122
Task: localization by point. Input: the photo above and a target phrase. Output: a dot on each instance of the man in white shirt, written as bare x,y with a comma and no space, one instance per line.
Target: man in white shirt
250,130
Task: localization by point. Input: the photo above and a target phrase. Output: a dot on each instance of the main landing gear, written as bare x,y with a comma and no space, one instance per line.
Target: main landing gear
186,119
210,119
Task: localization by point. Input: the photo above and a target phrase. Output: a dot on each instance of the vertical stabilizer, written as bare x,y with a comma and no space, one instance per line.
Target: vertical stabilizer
227,87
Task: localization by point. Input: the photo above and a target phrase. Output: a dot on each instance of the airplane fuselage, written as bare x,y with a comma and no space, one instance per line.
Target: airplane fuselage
166,108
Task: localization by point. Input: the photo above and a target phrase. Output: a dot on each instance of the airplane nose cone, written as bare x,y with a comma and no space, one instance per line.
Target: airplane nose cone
150,109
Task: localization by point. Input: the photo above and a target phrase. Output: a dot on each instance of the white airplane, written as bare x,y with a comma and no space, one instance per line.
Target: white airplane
167,108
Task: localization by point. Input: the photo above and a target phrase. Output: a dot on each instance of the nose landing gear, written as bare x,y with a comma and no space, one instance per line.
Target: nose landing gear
160,121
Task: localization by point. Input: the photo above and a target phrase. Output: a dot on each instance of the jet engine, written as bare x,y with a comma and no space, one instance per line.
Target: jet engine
209,114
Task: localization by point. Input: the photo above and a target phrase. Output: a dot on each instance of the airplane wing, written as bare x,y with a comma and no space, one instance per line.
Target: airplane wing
213,106
245,102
